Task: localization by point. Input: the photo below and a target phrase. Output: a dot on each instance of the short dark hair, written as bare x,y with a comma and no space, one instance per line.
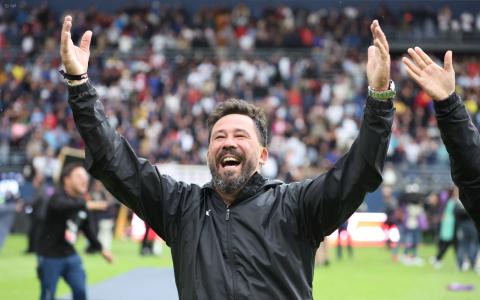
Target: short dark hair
242,107
67,170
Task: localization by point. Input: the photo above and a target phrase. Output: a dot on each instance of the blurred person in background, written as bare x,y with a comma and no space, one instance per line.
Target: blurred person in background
9,205
343,234
39,205
240,219
147,246
467,239
66,216
432,212
446,234
103,219
415,222
322,256
399,216
391,205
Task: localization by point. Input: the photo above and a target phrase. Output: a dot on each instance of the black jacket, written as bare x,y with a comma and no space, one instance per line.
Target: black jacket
65,218
462,141
263,245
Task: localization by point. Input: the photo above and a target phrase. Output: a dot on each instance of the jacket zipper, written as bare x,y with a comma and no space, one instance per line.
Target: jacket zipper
230,250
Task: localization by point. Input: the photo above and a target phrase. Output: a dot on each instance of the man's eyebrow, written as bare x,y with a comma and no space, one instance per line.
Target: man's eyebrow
218,131
235,131
242,130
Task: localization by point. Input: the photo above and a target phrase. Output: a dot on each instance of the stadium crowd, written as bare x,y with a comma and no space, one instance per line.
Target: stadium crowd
159,93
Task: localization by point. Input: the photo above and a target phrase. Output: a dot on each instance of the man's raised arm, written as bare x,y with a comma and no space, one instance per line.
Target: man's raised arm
109,158
331,198
460,136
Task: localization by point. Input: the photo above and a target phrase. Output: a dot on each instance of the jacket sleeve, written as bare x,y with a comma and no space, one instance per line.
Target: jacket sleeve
87,229
330,199
462,141
63,204
135,182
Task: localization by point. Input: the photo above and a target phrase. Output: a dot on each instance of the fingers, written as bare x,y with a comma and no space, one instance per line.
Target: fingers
448,61
372,28
416,58
413,67
426,59
383,51
85,41
65,36
67,24
381,37
410,70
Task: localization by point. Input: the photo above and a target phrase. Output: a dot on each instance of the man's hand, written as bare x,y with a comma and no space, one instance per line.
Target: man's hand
438,82
107,256
75,59
378,65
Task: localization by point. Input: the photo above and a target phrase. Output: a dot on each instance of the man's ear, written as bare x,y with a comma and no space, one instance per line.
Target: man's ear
263,156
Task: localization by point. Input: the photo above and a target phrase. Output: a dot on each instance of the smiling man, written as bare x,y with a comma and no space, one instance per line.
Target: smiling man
238,146
240,236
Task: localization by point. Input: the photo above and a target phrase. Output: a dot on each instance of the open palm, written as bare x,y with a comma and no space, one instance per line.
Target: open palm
74,58
438,82
378,64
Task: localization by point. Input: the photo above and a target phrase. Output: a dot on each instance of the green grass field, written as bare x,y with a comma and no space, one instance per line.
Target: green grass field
369,275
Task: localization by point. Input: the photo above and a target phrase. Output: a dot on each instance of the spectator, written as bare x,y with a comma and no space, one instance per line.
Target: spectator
446,236
391,207
8,207
103,219
415,222
66,216
343,234
467,239
39,204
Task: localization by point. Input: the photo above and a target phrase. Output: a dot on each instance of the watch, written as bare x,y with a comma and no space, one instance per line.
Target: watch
383,95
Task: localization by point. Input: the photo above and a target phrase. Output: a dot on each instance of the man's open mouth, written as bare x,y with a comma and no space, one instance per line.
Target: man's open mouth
230,161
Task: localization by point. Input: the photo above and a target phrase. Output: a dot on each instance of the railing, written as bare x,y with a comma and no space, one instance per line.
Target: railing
426,177
13,161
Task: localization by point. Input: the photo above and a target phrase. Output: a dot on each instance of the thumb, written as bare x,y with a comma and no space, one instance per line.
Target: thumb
85,41
447,62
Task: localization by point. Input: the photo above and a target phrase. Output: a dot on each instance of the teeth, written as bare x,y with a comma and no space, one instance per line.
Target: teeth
229,159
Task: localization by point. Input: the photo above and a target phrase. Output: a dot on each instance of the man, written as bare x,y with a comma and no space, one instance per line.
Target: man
9,205
460,136
240,236
66,215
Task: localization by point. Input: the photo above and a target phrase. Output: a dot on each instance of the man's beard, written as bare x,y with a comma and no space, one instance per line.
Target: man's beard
230,184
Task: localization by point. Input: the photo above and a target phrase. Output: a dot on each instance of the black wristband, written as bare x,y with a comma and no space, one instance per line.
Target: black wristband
73,77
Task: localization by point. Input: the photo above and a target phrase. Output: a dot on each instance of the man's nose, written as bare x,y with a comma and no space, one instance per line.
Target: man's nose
229,142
